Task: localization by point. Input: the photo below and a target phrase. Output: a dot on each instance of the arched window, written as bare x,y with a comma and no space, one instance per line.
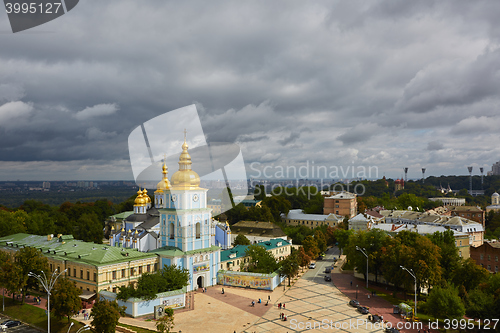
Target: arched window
171,231
198,230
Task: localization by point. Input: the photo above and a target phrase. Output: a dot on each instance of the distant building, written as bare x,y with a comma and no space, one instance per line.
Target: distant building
232,259
495,203
469,212
450,201
495,169
461,238
399,184
487,256
216,206
257,231
343,203
474,229
296,217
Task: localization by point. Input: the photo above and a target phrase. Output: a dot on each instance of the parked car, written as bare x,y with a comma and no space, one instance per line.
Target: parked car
328,270
10,323
312,265
391,330
354,303
363,310
328,278
375,318
319,258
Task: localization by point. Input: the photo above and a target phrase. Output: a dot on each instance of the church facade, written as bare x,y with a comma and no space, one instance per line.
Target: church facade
187,231
176,225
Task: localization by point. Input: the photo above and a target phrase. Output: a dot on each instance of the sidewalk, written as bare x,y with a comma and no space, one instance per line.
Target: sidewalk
376,304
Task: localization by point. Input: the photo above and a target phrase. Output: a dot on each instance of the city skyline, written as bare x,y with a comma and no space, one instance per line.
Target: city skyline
334,84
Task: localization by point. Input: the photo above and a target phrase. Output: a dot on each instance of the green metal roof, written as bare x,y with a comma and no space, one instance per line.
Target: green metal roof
172,251
239,250
74,250
122,215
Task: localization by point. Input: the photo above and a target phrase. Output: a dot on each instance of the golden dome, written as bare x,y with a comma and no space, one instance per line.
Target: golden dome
164,183
185,177
140,200
146,196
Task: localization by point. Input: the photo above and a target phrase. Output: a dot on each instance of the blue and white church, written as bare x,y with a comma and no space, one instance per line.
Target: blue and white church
187,231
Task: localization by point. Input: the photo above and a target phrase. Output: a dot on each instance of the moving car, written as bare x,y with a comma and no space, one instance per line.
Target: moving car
354,302
312,265
328,278
320,258
363,310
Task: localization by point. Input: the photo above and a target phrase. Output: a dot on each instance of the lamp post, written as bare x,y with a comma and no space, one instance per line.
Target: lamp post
356,291
48,284
412,274
70,325
84,328
363,250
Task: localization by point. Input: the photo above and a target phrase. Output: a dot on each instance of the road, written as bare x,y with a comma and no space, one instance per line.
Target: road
317,275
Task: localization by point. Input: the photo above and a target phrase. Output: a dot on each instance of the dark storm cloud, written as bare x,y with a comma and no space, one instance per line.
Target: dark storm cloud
374,76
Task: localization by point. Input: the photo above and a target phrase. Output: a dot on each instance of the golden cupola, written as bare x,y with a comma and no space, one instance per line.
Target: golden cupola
164,183
146,196
140,200
185,178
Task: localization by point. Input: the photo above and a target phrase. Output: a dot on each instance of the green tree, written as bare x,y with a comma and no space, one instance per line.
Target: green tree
320,238
310,246
30,259
259,192
12,222
241,240
65,300
342,237
303,258
470,275
166,322
89,228
445,303
260,260
290,266
106,315
450,260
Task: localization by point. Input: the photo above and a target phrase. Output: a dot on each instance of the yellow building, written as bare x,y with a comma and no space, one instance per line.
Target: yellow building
93,267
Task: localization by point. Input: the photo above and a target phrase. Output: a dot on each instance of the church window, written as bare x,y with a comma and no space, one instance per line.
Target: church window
171,231
198,230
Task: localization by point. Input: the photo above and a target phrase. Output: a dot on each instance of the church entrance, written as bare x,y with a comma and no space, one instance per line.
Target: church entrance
199,281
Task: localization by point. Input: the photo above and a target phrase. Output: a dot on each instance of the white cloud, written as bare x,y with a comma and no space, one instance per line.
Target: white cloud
10,111
97,111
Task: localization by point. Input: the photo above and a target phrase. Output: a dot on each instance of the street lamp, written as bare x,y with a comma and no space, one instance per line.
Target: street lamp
70,325
47,284
412,274
362,250
85,328
356,291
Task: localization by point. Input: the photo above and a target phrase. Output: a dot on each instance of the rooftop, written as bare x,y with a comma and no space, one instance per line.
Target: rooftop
66,248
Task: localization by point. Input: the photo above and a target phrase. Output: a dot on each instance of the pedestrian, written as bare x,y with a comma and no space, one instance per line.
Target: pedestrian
283,305
268,297
351,283
279,306
222,290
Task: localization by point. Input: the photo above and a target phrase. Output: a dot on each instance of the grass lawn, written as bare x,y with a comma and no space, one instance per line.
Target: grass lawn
136,329
37,317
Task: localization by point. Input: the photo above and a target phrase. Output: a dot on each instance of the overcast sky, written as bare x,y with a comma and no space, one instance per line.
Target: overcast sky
390,84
